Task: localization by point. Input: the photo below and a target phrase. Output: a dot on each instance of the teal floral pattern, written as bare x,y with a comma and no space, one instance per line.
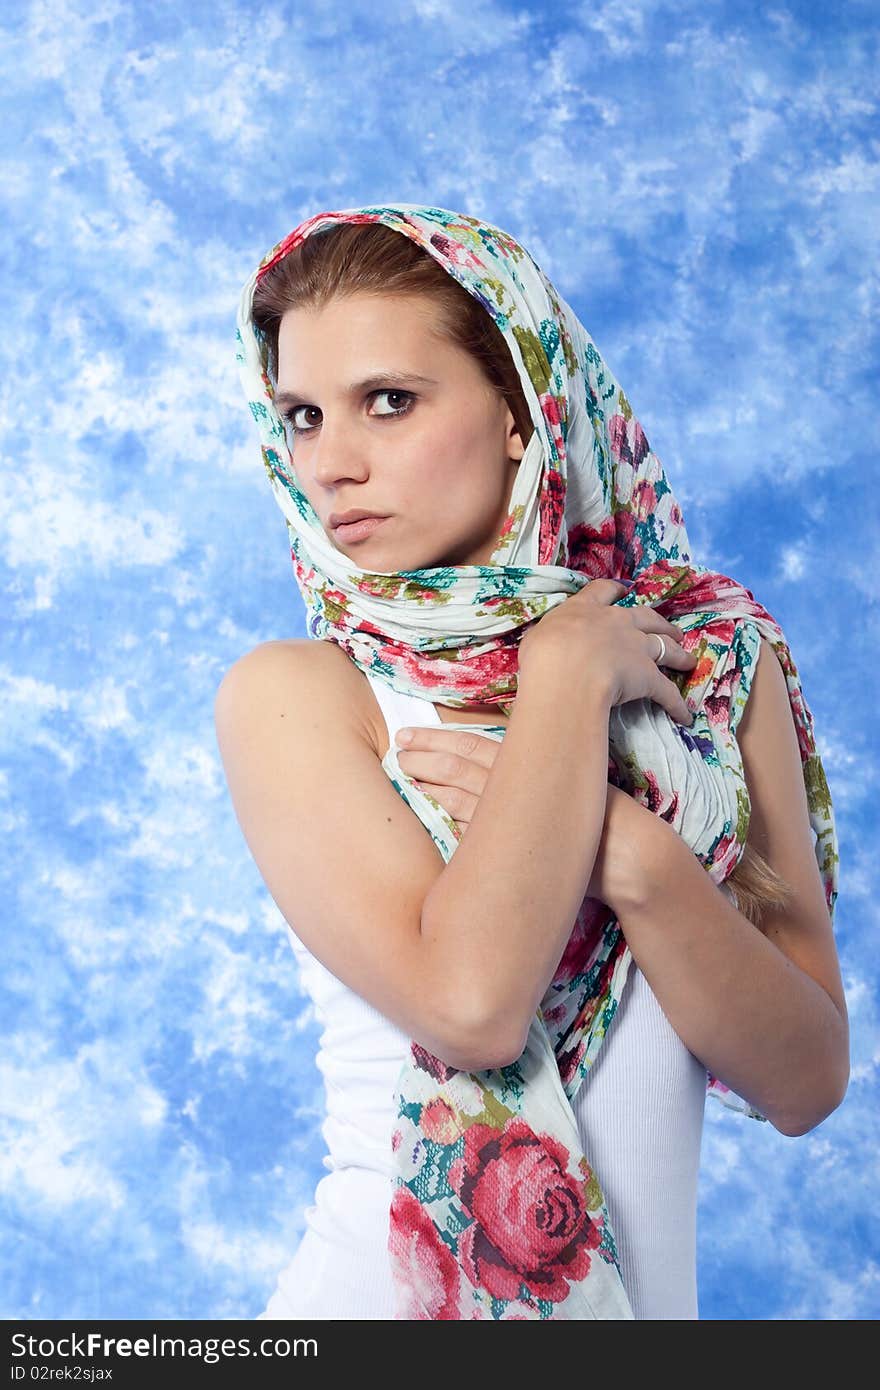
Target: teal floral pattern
497,1212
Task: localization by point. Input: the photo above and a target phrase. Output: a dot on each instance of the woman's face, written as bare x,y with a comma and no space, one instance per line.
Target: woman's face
391,418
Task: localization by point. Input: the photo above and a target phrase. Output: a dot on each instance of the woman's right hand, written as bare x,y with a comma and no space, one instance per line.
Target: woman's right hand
589,634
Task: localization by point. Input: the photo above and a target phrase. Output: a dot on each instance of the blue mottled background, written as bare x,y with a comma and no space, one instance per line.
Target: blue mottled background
700,179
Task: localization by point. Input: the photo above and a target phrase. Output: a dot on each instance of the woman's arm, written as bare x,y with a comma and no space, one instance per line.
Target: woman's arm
507,900
765,1011
341,853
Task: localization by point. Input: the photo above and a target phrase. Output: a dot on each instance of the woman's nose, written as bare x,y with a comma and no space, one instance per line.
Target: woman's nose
338,455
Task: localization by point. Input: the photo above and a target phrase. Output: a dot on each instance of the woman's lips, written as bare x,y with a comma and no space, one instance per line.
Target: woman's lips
358,530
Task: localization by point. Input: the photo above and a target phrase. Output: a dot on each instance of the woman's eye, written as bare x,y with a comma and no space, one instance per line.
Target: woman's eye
290,417
406,397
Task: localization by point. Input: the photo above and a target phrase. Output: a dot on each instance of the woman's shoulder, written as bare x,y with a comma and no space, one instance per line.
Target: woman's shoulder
325,662
323,671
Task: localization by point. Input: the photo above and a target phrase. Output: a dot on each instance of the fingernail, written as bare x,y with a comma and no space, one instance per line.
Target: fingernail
404,735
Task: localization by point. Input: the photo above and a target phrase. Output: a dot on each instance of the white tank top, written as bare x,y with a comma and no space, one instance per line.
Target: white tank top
639,1112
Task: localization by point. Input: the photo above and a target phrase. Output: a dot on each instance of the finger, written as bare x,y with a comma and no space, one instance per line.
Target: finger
670,630
473,747
675,656
676,653
444,769
672,700
605,590
456,802
649,620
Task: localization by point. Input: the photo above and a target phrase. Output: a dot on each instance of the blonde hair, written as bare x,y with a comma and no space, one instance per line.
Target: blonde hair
757,887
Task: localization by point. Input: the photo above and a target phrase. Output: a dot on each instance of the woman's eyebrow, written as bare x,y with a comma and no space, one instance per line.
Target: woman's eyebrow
290,395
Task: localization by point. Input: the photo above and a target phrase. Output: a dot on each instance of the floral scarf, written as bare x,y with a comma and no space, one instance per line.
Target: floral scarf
496,1211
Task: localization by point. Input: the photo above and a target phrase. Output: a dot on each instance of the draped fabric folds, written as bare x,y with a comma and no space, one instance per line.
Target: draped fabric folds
496,1211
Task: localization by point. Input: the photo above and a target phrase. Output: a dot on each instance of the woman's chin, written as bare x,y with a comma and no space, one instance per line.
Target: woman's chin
381,559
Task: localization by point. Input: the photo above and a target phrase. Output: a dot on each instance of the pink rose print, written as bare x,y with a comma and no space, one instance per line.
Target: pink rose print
614,549
531,1225
628,442
552,505
423,1059
424,1267
438,1121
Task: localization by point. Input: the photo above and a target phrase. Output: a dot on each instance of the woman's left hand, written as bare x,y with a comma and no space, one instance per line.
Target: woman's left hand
456,780
435,761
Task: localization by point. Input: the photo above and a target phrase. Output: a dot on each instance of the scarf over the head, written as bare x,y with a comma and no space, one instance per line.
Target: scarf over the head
496,1211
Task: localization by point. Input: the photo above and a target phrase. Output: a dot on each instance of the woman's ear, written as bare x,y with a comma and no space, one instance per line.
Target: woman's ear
515,446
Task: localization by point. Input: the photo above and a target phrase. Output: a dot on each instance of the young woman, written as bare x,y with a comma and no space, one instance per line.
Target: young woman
454,455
